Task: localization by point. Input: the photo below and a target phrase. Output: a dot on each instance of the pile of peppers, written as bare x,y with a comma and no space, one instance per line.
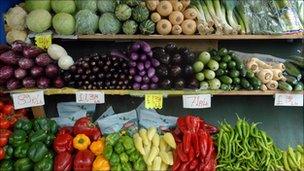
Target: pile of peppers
73,147
195,147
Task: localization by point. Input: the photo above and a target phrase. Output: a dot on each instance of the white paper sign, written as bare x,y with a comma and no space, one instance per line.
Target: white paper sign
197,101
288,100
25,100
91,97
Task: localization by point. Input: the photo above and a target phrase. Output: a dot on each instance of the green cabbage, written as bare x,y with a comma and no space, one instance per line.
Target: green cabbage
31,5
67,6
129,27
86,22
64,23
123,12
39,20
86,4
109,24
106,6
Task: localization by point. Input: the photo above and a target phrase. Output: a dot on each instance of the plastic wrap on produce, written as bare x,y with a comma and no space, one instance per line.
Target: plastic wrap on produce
108,112
116,122
264,57
69,112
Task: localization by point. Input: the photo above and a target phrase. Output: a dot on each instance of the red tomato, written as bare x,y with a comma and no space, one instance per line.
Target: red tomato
1,105
5,133
4,124
3,141
8,109
2,153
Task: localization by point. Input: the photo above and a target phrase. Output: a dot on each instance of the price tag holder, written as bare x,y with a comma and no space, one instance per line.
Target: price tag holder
282,99
197,101
43,41
90,97
154,101
25,100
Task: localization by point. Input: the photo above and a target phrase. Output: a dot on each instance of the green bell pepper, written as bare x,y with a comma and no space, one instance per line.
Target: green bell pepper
53,127
123,157
7,165
49,139
118,148
112,138
134,156
24,164
39,135
116,167
37,151
24,124
126,166
49,155
9,151
127,142
45,164
108,151
21,150
41,124
130,151
140,164
18,137
114,159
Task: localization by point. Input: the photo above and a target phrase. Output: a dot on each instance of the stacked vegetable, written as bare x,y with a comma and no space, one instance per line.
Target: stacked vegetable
223,70
294,68
29,146
107,71
143,66
25,65
195,148
156,149
173,16
175,70
293,159
122,154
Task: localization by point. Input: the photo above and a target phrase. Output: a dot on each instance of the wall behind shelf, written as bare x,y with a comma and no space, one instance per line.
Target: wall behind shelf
284,124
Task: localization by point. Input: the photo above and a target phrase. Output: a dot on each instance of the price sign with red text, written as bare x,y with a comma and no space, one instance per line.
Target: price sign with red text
154,101
288,99
197,101
25,100
90,97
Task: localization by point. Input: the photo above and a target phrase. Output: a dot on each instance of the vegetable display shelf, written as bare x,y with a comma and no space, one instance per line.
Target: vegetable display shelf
54,91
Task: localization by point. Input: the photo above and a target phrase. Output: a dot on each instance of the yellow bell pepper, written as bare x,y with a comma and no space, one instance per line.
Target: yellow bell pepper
101,164
81,142
97,146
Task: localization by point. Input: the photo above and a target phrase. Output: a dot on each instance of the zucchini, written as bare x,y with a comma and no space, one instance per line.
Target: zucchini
245,83
225,79
226,58
291,80
217,58
224,87
255,82
285,86
231,64
236,81
298,87
239,63
249,74
243,72
223,65
297,60
234,73
292,70
220,72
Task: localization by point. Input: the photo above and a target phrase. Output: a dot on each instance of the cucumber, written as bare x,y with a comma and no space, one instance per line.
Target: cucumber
298,87
226,58
255,82
291,80
297,60
245,83
220,72
223,65
224,87
292,70
239,63
216,58
231,64
249,74
285,86
243,72
223,51
234,73
225,79
236,81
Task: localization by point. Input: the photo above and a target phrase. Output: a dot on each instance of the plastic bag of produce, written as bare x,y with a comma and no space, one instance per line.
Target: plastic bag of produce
69,112
121,121
264,57
108,112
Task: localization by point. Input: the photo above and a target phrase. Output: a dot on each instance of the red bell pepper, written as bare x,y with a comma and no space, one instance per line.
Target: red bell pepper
63,162
83,160
2,153
65,130
4,136
63,143
85,126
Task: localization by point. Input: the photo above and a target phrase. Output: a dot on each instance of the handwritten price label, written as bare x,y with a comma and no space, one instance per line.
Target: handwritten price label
25,100
43,41
90,97
154,101
288,100
197,101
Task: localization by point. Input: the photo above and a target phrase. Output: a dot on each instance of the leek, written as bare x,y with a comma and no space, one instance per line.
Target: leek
218,25
202,25
218,9
207,14
230,6
240,21
241,11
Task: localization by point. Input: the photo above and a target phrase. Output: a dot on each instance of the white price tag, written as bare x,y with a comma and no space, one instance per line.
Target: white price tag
288,99
90,97
197,101
25,100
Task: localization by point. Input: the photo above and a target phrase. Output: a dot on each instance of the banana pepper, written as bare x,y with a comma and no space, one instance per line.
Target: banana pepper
81,142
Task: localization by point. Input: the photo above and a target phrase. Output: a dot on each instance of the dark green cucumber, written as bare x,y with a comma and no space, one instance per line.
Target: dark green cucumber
239,63
299,87
243,72
249,74
226,58
285,86
220,72
255,82
231,64
245,83
291,80
234,73
236,81
224,87
297,60
223,65
225,79
292,70
217,58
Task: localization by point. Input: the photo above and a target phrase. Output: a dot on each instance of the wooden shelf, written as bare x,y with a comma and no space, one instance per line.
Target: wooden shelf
54,91
97,37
